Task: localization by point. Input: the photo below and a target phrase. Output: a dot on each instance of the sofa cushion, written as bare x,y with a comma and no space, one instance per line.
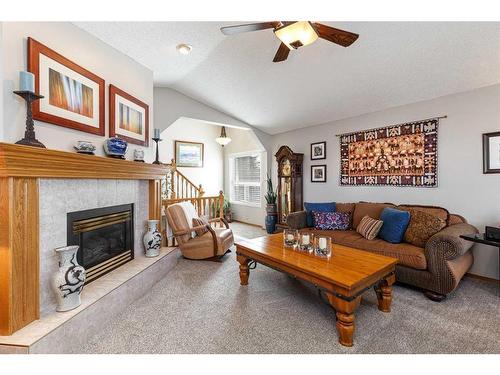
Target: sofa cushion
369,227
363,209
318,207
395,224
407,254
422,226
346,208
331,220
440,212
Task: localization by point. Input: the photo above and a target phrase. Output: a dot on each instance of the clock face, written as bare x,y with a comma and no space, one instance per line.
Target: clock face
286,168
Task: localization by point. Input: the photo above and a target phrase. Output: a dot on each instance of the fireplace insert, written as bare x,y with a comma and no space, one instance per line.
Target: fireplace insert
105,237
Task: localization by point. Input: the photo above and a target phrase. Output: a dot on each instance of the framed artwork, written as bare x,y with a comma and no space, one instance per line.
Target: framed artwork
128,117
73,96
396,155
318,173
318,150
188,154
491,152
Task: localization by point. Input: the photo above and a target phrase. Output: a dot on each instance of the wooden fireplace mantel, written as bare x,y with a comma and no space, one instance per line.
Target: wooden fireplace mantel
21,167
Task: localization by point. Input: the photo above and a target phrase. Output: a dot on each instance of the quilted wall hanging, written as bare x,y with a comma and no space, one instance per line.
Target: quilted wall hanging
396,155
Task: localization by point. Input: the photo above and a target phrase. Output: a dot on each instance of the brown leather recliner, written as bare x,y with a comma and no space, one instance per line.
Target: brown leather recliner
213,244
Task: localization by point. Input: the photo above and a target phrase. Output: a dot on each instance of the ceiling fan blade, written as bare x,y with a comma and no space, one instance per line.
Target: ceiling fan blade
236,29
282,53
341,37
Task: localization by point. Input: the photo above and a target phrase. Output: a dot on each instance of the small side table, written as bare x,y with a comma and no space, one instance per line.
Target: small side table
481,238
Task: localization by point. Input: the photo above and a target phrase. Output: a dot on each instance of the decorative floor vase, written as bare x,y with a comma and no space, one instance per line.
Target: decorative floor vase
68,281
152,239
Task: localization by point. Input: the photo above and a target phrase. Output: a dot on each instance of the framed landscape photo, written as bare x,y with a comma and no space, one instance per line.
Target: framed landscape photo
188,154
318,173
491,152
128,117
73,96
318,150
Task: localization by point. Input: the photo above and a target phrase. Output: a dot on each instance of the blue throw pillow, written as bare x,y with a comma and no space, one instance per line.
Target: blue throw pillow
318,207
395,224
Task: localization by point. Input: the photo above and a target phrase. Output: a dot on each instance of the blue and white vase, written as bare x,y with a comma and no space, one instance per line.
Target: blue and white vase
115,147
152,239
69,280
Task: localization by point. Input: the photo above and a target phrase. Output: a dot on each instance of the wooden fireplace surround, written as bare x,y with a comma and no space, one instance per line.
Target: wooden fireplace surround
20,169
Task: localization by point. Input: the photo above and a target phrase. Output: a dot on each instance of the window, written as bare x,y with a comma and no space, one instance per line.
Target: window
245,178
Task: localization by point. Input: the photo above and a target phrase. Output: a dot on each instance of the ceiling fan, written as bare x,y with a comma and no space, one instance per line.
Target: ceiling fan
295,34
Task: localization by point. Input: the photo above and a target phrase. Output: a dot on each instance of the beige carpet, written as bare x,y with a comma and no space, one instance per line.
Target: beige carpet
201,308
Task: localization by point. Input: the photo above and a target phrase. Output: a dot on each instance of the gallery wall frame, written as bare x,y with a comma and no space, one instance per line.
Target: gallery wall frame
491,152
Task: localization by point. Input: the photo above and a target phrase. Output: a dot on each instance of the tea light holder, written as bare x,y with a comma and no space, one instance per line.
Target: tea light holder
290,237
323,246
306,241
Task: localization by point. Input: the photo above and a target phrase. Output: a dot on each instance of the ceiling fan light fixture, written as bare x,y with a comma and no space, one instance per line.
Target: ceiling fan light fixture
223,140
297,34
184,49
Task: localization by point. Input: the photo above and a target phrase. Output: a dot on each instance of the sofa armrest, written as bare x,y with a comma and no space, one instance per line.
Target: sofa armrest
447,244
297,220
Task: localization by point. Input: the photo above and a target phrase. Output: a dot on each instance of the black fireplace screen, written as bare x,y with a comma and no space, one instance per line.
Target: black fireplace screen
104,236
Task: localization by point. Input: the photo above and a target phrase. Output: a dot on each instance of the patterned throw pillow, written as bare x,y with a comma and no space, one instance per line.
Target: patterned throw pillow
422,227
197,221
331,220
369,227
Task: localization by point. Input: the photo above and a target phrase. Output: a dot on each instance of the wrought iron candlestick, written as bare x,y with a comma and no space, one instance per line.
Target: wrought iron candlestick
157,161
29,135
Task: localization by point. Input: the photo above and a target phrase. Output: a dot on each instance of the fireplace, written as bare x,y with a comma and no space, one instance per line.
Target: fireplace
104,236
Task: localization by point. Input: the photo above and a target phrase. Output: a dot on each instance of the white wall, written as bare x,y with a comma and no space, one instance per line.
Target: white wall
84,49
244,141
186,129
463,188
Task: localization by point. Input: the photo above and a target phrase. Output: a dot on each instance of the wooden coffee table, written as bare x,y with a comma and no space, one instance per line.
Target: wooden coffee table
344,277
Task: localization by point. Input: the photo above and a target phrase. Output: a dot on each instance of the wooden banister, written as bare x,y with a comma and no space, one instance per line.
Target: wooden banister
179,186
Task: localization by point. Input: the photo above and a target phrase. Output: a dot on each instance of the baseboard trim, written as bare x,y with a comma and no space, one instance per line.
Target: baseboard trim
483,278
253,225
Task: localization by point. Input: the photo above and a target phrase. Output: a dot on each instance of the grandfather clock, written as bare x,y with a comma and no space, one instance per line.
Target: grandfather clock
289,183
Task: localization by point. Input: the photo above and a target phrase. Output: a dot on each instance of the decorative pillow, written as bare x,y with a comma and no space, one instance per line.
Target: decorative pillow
395,224
197,221
422,227
369,227
331,220
346,208
318,207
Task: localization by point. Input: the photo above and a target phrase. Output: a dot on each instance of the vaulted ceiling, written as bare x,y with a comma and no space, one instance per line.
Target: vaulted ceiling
391,64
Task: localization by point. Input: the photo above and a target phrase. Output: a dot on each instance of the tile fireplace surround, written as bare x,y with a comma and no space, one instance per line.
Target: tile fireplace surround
38,187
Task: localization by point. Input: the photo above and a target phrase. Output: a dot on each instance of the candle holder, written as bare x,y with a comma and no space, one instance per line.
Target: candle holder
157,161
323,246
290,237
306,241
29,134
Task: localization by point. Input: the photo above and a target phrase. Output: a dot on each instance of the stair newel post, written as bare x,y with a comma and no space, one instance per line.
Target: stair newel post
201,192
221,204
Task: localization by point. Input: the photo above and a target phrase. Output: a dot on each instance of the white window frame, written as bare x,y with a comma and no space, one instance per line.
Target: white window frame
232,182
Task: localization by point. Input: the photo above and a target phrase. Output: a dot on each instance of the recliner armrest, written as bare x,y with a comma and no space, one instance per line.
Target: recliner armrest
297,220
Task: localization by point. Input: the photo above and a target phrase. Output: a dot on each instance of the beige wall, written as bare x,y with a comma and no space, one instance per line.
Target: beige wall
463,188
84,49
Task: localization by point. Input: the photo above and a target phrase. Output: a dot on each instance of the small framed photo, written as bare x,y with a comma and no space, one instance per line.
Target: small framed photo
491,152
188,154
318,150
318,173
128,117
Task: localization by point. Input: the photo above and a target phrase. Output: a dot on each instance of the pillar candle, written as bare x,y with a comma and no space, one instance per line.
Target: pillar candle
26,81
157,133
322,243
305,239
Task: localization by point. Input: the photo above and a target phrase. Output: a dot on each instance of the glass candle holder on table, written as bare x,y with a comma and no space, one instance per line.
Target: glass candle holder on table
323,246
290,237
306,241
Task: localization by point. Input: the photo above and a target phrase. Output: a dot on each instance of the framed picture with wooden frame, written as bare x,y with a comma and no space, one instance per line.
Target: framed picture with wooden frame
318,151
73,96
318,173
188,154
491,152
128,117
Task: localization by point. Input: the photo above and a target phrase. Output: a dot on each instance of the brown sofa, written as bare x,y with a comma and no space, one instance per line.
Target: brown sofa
436,268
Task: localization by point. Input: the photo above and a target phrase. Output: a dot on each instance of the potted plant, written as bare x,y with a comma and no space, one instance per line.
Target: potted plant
227,211
271,209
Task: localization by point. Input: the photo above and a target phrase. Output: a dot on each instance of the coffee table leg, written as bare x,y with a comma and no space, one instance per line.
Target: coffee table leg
345,317
384,293
244,270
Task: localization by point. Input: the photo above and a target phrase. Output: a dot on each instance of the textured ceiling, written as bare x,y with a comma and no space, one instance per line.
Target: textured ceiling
391,64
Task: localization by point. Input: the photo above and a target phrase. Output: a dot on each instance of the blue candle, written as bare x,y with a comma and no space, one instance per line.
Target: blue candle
157,133
26,81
